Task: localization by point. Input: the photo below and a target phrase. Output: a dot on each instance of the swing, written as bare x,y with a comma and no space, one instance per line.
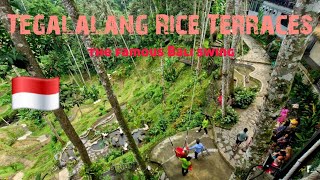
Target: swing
181,152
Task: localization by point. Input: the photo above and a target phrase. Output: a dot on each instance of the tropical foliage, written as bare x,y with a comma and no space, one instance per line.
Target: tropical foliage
230,118
243,97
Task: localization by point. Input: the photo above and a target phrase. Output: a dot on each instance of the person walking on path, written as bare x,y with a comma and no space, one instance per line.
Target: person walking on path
241,137
198,148
204,125
186,164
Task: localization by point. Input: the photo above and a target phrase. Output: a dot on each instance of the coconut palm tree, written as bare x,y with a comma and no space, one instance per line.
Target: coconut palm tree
34,69
226,61
235,41
74,14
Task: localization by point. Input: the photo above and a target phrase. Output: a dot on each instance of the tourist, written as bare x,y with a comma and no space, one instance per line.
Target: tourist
294,123
283,115
279,153
241,137
278,161
295,110
283,141
186,164
198,148
230,100
204,125
280,131
220,98
288,153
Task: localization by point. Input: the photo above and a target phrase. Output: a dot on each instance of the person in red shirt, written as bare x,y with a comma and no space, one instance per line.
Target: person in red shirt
220,98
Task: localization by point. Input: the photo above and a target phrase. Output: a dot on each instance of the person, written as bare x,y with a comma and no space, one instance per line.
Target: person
198,148
288,153
204,125
241,137
294,123
185,165
283,141
280,131
230,100
220,98
295,110
283,115
278,161
279,153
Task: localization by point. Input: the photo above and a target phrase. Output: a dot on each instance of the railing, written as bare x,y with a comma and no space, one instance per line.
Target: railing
285,3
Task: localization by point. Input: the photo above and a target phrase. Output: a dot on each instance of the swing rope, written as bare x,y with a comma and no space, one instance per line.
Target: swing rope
203,32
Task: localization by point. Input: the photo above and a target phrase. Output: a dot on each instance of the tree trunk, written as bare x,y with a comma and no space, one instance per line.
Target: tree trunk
226,61
54,131
73,13
234,45
290,54
35,70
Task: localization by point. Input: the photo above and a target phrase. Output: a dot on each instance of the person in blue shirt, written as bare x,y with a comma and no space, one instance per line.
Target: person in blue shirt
198,148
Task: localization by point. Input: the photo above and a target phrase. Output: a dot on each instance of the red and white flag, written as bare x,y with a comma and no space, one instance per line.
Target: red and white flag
35,93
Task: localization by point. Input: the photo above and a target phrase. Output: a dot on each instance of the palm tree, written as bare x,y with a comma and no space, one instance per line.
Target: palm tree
286,67
74,14
34,69
235,40
226,61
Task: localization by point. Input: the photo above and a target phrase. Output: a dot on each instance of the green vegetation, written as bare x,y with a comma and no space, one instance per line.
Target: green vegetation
226,122
162,92
309,114
244,97
6,171
144,105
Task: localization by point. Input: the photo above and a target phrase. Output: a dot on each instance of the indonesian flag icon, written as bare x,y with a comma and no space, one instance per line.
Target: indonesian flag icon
35,93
